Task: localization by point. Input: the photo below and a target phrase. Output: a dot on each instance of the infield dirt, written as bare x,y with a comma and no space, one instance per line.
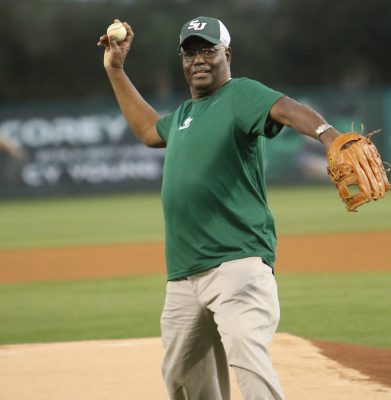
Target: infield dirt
298,253
129,369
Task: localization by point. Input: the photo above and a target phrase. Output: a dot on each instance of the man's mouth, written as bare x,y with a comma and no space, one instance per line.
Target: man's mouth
200,72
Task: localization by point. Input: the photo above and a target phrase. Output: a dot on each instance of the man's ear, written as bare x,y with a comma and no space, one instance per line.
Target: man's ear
228,55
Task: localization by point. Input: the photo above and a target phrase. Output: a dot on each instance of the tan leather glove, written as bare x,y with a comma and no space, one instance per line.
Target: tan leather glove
355,167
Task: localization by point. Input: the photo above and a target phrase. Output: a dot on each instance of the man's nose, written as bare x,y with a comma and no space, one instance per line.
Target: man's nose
198,59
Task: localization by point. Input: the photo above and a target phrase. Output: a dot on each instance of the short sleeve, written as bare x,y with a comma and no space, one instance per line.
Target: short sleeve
163,126
252,102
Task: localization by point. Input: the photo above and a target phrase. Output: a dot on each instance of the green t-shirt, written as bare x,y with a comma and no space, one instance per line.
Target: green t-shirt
213,193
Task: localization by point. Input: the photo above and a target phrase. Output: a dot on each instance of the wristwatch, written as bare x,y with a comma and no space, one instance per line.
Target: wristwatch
321,129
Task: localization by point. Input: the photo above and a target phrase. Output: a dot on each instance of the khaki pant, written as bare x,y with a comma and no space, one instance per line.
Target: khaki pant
225,316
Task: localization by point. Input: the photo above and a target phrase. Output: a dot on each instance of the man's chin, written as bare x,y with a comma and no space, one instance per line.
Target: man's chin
201,83
201,80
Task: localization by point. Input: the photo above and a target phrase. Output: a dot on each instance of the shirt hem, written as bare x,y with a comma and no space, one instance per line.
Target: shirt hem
203,268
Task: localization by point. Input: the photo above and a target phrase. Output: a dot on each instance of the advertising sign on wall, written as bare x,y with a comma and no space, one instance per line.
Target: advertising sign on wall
74,153
75,147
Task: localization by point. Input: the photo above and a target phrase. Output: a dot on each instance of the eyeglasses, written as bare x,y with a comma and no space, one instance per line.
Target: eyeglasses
190,55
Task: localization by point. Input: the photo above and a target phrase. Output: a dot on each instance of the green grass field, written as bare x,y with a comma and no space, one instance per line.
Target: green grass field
138,218
343,307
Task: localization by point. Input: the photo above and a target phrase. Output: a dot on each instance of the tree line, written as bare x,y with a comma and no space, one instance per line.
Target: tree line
48,48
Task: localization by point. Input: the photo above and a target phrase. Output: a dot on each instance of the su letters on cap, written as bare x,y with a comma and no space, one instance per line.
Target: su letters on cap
196,25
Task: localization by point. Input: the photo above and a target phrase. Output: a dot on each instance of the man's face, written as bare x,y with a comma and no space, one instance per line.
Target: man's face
205,74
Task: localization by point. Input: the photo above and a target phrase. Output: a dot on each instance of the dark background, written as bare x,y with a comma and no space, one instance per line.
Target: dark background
48,47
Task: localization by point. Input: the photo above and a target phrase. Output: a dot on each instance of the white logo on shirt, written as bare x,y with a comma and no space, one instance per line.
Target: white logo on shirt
197,25
186,123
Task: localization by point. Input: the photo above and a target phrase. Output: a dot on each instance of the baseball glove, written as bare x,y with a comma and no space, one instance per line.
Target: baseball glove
356,169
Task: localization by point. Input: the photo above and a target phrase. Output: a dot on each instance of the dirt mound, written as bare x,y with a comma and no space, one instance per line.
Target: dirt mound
130,369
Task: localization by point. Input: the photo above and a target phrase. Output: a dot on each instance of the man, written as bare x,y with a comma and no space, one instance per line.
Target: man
12,159
221,303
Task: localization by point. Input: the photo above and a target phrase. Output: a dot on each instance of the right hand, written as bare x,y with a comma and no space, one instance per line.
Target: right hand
115,53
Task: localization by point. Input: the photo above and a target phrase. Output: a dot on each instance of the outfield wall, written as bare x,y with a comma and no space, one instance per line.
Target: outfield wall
80,146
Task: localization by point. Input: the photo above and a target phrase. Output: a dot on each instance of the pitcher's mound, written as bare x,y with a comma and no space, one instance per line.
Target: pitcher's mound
130,370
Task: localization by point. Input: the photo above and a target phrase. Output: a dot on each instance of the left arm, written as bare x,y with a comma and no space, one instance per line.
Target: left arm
353,162
301,118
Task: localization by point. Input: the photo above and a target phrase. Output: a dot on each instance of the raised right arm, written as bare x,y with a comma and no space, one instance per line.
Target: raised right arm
140,116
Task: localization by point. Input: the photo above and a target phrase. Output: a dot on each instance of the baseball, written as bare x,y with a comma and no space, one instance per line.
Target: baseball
118,31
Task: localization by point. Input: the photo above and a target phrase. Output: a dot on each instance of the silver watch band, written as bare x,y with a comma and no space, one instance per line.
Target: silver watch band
321,129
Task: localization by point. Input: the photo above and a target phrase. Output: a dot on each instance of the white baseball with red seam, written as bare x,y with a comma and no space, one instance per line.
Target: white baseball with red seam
118,31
